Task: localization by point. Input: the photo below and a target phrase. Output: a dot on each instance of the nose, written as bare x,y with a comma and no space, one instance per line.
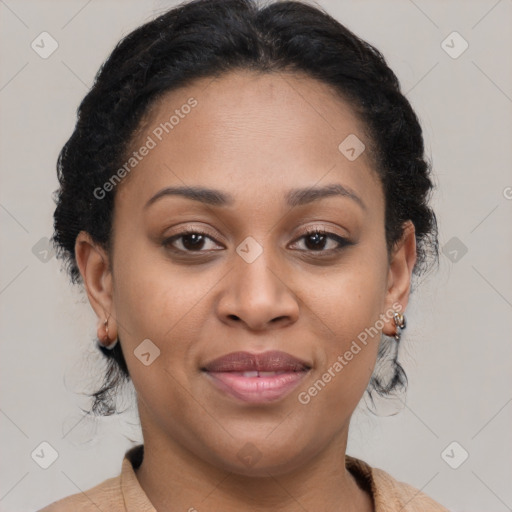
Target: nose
258,296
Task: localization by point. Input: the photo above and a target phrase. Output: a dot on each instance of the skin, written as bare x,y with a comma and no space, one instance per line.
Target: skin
254,136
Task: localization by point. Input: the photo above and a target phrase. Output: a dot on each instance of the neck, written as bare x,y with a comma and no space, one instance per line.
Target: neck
175,479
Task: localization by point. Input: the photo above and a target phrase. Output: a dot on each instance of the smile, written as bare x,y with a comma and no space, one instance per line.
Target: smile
256,378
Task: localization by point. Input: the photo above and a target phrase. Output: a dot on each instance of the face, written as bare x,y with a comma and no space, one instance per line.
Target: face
236,270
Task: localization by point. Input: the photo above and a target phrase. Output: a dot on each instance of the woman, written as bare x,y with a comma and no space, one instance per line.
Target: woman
245,199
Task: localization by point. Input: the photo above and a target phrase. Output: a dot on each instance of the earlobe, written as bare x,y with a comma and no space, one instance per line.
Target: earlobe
93,263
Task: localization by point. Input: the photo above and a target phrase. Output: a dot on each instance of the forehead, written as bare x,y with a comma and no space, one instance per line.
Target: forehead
255,134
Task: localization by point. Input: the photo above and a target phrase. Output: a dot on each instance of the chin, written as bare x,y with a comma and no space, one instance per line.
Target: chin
268,460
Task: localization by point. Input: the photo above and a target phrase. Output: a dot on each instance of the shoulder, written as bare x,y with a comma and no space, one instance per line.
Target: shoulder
405,496
104,496
116,494
389,494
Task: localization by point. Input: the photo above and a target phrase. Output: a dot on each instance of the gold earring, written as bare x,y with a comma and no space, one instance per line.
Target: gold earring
400,324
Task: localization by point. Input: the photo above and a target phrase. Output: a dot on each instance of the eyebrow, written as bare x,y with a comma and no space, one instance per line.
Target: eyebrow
294,197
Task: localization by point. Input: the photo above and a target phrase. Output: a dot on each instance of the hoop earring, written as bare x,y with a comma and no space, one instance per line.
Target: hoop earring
114,343
400,324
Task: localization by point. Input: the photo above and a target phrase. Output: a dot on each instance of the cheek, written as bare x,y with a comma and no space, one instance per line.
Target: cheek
349,307
162,306
350,300
155,299
167,304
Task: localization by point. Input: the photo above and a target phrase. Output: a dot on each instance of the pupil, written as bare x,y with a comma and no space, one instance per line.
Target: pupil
196,241
316,237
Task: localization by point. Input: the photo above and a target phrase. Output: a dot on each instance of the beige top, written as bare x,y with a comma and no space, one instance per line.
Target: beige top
123,493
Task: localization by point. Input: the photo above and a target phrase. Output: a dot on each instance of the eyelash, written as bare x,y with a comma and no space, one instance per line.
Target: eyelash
342,241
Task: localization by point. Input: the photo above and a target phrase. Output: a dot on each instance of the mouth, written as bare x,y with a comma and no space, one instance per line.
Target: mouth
256,378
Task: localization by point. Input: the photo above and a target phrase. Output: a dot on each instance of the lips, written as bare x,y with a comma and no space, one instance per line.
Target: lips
256,378
271,361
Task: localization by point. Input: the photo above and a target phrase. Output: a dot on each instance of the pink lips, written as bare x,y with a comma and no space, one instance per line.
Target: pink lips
256,378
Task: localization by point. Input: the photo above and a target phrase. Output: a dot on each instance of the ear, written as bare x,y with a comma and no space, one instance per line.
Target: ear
402,261
94,265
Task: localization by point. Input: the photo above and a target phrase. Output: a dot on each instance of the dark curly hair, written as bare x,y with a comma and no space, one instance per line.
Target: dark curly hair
207,38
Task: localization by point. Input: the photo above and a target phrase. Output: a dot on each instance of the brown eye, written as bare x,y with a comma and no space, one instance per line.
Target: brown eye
317,240
190,241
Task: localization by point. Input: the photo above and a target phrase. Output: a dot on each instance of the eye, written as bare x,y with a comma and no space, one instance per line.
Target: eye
190,240
317,239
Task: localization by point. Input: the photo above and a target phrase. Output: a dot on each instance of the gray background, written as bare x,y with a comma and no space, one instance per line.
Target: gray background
457,349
